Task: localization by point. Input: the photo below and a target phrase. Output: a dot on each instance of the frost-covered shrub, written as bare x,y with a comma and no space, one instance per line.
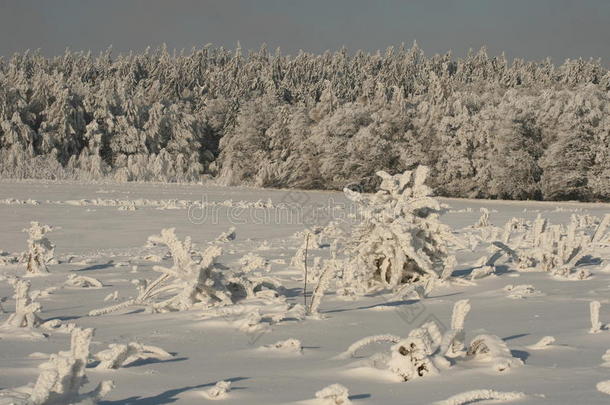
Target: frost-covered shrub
474,396
121,355
218,391
26,310
75,280
400,239
250,280
40,251
61,378
427,351
286,346
192,280
491,348
552,248
603,386
411,358
335,394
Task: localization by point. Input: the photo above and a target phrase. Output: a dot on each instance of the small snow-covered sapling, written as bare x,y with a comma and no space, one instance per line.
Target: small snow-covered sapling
40,250
26,310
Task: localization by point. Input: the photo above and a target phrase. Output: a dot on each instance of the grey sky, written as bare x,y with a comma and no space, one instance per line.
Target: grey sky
532,29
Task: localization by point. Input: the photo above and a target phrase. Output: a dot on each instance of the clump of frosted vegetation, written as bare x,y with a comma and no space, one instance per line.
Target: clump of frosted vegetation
400,239
40,251
121,355
286,346
603,386
196,280
192,280
75,280
26,310
426,351
25,321
556,249
335,394
218,391
474,396
61,378
227,236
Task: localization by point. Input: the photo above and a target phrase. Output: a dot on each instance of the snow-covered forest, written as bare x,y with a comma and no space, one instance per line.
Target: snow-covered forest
487,128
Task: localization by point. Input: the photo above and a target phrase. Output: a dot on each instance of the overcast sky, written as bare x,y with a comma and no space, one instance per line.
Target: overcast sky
532,29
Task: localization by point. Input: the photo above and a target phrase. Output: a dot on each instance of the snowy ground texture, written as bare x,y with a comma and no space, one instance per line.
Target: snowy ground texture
101,232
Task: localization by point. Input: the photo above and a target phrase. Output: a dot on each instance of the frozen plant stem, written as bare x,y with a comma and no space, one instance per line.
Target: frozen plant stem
305,263
596,325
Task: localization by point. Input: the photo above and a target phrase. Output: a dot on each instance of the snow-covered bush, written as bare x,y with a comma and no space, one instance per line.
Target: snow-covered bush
121,355
335,394
218,391
26,310
521,291
286,346
473,396
427,351
251,279
492,349
552,248
400,239
411,358
603,386
40,251
75,280
61,378
190,281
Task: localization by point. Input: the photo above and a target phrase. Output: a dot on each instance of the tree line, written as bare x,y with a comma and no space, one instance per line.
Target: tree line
487,128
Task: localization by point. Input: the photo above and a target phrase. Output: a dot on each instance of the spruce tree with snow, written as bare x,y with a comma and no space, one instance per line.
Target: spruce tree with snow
400,239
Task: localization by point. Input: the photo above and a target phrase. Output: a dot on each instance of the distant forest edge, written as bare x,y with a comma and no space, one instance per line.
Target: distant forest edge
486,128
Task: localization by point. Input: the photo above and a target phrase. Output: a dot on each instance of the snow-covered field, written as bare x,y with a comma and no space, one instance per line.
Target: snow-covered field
101,231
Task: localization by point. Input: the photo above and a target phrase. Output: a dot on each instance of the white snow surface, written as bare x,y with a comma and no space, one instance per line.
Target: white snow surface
106,242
